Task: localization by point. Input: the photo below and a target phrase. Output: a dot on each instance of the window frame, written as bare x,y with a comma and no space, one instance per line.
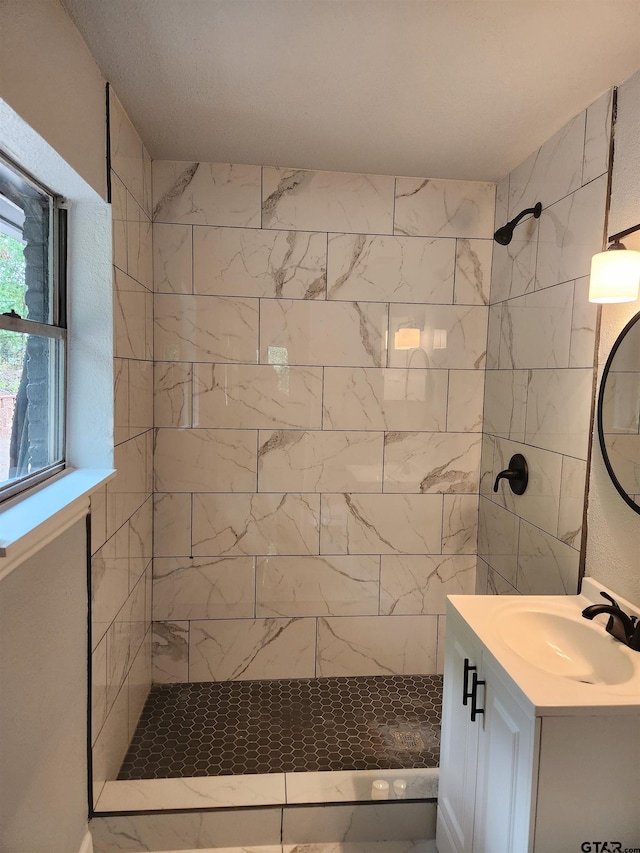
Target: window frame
56,330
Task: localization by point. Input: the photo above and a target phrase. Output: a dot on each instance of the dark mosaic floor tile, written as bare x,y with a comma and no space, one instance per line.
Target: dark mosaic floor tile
238,727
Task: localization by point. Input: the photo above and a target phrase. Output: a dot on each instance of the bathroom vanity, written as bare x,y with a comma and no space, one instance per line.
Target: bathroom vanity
540,743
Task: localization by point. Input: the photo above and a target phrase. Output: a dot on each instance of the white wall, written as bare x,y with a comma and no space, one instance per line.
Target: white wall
49,78
613,528
43,699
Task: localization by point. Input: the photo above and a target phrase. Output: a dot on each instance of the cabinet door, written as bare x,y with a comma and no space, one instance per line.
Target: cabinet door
504,807
458,746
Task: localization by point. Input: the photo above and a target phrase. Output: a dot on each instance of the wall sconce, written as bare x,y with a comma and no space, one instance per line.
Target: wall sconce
406,338
615,273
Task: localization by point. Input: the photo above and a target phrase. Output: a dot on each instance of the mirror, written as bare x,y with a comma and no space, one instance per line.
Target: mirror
619,413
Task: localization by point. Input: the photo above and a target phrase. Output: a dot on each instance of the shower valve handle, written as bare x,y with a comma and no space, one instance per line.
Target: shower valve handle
517,474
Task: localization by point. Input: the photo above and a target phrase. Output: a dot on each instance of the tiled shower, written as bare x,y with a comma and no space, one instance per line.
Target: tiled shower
300,390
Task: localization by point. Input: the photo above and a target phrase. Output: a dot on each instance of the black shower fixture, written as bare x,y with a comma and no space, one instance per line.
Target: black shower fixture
503,235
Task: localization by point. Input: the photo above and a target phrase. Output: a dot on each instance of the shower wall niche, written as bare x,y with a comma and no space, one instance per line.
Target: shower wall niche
319,355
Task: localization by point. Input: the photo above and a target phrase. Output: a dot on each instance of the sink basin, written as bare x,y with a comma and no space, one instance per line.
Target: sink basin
565,647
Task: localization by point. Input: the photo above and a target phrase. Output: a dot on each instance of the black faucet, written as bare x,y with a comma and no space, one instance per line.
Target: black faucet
624,628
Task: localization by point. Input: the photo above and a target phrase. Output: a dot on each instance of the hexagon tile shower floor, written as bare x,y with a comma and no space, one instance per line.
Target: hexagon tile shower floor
236,727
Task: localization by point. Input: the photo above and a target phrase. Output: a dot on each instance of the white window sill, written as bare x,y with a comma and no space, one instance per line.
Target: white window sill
29,522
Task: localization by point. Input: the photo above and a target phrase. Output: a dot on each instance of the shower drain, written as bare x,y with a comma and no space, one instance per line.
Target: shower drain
410,741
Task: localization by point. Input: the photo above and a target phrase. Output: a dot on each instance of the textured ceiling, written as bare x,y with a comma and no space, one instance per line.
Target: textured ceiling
446,88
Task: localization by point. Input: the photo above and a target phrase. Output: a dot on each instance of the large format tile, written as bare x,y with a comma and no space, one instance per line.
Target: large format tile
255,524
349,786
317,586
459,524
212,792
186,830
132,315
243,649
450,335
125,148
264,396
570,234
250,262
498,538
139,244
513,269
535,330
392,399
597,138
170,652
327,201
546,566
421,584
206,193
473,271
377,645
323,333
465,400
551,172
431,462
583,326
171,525
436,208
363,823
381,269
558,409
381,524
205,328
505,403
172,394
119,221
172,258
572,500
205,460
205,588
331,461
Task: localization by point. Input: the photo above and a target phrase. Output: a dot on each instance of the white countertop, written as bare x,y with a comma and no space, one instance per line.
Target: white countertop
492,618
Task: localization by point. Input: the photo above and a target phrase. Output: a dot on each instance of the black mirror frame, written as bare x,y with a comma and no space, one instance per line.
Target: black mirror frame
632,322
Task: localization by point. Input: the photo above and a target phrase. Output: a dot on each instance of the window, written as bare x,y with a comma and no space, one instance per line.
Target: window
32,331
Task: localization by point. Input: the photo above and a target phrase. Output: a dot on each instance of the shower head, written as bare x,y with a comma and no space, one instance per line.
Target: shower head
504,235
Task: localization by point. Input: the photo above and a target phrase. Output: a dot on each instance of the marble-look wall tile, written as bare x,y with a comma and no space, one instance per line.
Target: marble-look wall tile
257,397
206,194
597,138
498,539
132,306
139,244
393,399
126,148
349,824
205,328
129,489
540,503
505,403
572,492
240,649
459,524
139,528
139,682
494,336
111,744
206,588
436,208
431,462
420,584
551,172
255,524
98,688
327,201
187,830
513,271
571,232
171,525
317,586
172,394
497,585
465,400
450,336
121,400
558,409
323,333
381,524
583,326
172,258
546,566
205,460
147,189
170,650
473,272
482,577
140,404
332,461
377,645
535,329
250,262
119,222
380,269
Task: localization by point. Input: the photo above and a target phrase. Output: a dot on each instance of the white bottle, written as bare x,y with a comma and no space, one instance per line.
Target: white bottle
380,790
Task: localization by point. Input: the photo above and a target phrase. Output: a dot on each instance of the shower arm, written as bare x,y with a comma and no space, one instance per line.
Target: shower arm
503,235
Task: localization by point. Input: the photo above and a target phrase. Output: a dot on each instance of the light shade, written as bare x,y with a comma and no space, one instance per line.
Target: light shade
615,275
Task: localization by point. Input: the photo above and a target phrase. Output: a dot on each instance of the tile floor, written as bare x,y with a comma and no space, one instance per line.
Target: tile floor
324,724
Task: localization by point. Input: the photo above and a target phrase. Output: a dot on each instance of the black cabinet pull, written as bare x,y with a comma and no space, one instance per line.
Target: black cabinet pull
474,697
466,693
